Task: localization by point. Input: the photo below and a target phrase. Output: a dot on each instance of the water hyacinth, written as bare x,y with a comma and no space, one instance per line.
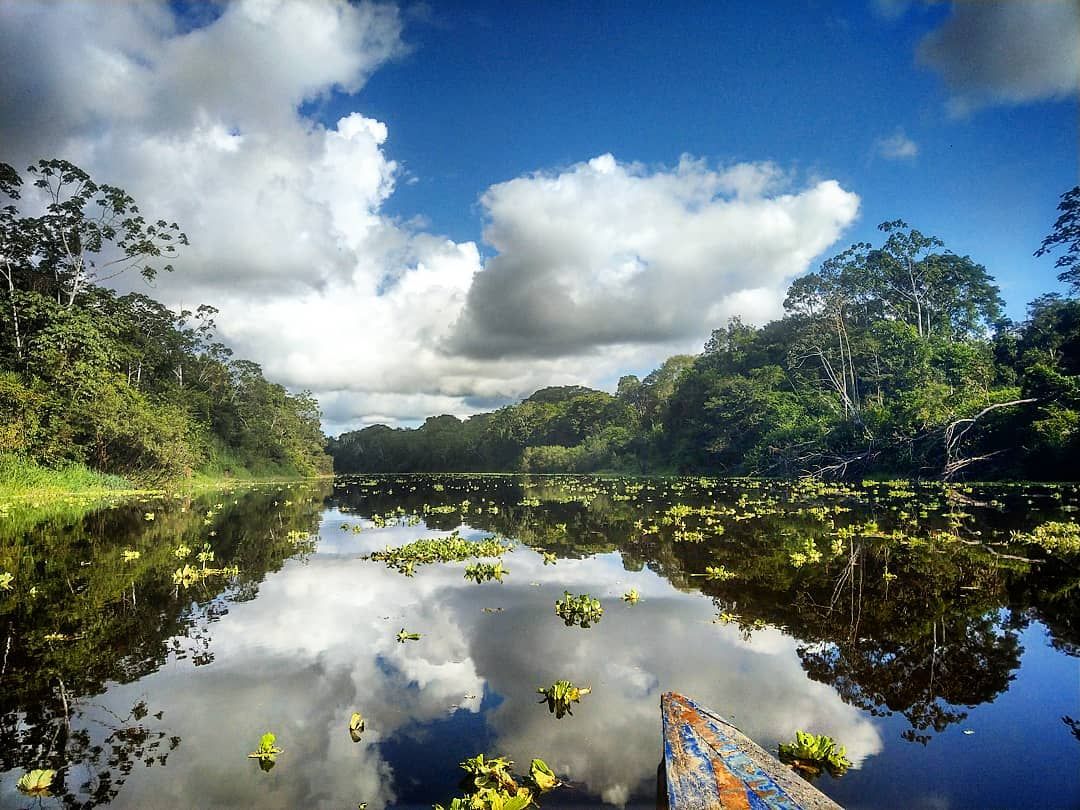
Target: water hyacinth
453,548
582,610
560,695
812,753
36,782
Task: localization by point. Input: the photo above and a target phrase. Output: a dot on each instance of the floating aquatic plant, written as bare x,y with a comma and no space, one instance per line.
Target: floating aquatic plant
1055,536
560,695
356,726
190,575
403,636
6,578
812,753
807,554
542,776
631,596
441,549
718,573
493,786
583,610
36,782
485,572
267,751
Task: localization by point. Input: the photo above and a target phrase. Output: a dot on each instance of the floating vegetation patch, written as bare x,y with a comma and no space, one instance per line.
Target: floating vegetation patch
810,754
190,575
583,610
808,553
631,597
493,786
36,782
425,551
404,636
718,573
267,751
485,572
560,695
356,726
1057,537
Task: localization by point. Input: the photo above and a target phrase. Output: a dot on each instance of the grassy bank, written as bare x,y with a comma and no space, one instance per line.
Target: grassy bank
31,494
22,478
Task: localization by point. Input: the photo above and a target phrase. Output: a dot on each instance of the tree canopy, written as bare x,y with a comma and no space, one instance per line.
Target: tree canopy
120,382
892,358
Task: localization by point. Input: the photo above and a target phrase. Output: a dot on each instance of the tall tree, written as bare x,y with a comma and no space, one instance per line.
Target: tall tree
1066,235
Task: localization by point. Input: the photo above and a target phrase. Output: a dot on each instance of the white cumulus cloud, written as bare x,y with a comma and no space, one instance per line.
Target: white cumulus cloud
602,267
609,253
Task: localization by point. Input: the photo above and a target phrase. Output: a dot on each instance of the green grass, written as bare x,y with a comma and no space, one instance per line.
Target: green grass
224,465
31,494
20,476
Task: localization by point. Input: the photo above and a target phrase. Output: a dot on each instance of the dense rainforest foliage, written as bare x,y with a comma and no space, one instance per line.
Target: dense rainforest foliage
891,359
118,382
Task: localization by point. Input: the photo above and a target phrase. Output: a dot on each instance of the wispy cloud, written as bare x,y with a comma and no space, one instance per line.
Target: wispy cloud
890,9
897,146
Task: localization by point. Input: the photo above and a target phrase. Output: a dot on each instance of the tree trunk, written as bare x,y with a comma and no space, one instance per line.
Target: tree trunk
14,312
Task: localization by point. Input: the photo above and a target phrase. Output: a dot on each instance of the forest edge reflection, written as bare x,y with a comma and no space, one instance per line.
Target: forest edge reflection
902,598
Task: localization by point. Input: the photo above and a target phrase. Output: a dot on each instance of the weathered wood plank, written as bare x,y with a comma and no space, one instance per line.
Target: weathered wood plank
711,764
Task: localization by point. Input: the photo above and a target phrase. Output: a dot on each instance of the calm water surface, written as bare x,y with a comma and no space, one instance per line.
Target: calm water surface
905,621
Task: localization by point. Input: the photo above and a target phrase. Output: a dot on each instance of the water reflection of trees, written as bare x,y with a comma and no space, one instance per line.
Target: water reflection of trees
81,616
925,624
921,618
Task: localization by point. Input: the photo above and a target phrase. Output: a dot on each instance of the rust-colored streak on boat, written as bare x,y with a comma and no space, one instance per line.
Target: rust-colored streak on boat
710,764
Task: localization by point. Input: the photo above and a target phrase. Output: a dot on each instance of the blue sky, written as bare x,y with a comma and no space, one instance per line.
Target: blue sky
416,209
491,91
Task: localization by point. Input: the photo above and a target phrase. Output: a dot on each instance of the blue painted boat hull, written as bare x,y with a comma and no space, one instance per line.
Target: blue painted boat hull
711,764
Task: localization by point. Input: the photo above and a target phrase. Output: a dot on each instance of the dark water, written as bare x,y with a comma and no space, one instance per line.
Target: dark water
900,620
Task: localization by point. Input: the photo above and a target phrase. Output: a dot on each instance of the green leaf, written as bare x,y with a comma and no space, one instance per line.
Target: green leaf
518,802
813,753
267,749
36,782
560,695
543,777
356,726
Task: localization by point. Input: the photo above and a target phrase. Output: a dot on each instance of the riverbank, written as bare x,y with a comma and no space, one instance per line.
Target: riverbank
22,479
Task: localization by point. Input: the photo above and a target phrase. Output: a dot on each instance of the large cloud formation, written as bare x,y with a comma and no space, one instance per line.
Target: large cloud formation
1006,52
602,267
608,253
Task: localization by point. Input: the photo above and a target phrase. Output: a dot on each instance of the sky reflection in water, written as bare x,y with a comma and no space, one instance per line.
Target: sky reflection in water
318,642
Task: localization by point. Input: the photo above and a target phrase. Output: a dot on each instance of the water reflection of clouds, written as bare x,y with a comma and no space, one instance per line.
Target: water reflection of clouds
665,642
319,642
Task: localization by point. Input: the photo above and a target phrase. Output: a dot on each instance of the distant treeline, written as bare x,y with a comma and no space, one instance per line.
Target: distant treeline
118,382
892,359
